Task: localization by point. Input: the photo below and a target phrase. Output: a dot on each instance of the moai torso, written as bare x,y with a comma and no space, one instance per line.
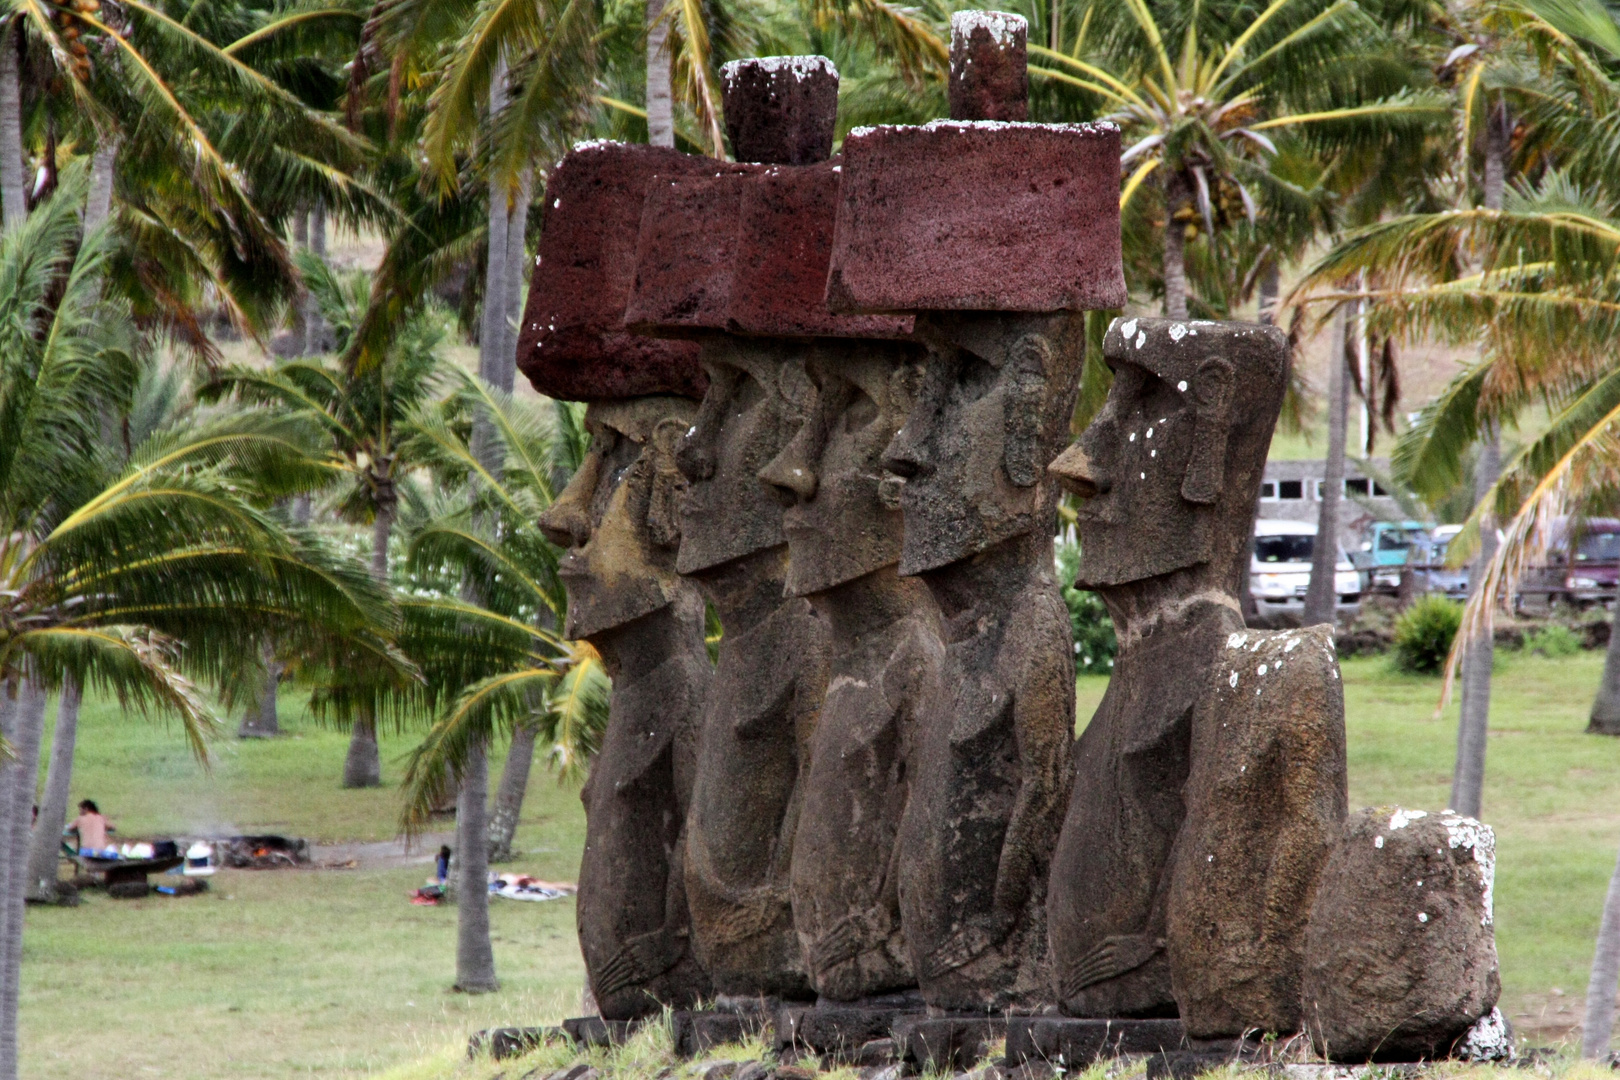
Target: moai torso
996,235
625,598
1168,474
989,774
618,521
884,655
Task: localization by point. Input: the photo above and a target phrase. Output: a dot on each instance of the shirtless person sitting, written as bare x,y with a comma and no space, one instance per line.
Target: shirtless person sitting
91,827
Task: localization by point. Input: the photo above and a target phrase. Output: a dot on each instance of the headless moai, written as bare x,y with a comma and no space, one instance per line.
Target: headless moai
843,527
618,520
1266,798
996,235
1168,474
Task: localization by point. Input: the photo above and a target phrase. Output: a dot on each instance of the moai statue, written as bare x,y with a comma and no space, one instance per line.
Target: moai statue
843,528
737,258
1168,474
618,519
996,234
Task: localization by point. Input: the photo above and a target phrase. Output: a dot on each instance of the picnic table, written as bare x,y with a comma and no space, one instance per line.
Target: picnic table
125,878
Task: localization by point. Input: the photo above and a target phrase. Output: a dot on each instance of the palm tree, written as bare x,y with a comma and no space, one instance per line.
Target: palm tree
364,415
131,579
1204,115
517,677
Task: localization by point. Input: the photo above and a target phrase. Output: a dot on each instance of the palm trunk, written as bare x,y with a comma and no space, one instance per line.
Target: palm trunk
1605,719
492,330
363,766
15,816
13,178
1473,725
517,263
98,205
1175,248
1270,288
1600,988
475,958
45,852
503,821
314,325
1322,596
262,720
660,99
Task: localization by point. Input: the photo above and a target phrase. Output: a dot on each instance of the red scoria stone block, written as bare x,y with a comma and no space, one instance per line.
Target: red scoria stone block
572,343
978,216
746,252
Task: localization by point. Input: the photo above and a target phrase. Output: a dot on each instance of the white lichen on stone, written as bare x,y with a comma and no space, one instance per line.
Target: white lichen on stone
595,144
1128,328
1141,339
1480,839
1237,641
1488,1040
800,67
1293,643
1177,332
1400,819
1233,680
1262,670
1378,842
1423,916
1004,27
1182,386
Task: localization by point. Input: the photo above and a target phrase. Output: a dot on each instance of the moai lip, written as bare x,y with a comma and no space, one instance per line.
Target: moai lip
989,66
1168,473
780,110
572,343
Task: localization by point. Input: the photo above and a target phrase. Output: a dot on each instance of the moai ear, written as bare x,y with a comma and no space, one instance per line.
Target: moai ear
1027,361
1212,406
664,501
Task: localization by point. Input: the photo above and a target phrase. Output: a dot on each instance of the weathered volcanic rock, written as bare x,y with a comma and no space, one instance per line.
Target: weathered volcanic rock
1400,951
978,215
989,66
781,110
745,251
1265,800
572,343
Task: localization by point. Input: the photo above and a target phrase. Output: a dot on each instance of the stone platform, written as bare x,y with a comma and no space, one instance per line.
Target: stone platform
946,1043
843,1034
696,1031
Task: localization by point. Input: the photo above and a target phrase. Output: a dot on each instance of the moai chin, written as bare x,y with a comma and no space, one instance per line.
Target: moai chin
710,264
997,235
843,527
618,521
1168,474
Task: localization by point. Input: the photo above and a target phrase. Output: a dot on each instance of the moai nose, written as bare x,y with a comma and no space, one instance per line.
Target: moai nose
781,110
989,66
1078,475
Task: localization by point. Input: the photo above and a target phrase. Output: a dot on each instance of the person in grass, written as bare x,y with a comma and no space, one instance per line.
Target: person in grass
90,826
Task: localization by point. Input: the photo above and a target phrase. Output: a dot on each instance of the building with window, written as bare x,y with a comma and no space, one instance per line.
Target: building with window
1292,491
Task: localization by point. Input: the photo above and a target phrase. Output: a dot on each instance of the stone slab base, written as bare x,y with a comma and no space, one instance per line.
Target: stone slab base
510,1042
1075,1044
946,1043
838,1032
595,1031
696,1032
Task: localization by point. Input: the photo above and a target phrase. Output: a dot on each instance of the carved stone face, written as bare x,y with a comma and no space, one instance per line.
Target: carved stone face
991,410
843,516
617,517
758,394
1165,470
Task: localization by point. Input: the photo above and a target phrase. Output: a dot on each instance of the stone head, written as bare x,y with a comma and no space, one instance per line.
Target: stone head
992,407
757,397
1169,470
843,513
618,517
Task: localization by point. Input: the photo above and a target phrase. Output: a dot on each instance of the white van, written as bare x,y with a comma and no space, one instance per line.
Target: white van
1280,571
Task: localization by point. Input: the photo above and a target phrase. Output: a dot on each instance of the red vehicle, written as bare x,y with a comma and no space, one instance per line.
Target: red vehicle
1581,567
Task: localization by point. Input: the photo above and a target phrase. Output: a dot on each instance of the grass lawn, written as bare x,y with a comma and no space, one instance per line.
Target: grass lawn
331,973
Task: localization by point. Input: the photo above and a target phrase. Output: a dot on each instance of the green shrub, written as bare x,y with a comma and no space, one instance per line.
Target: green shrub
1554,639
1094,641
1424,632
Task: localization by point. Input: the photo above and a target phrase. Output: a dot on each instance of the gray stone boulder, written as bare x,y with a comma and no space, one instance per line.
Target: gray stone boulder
1400,951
